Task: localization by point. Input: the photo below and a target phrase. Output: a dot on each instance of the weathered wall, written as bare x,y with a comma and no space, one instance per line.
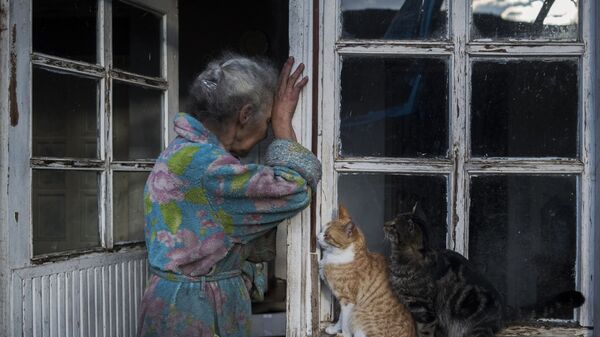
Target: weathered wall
595,157
4,80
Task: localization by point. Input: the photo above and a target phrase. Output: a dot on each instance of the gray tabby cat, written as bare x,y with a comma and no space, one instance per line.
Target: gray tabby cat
447,296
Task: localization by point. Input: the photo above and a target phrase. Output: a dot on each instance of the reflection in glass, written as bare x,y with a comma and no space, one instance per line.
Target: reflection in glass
400,105
137,119
64,115
136,39
128,206
373,199
524,108
65,28
522,235
64,211
394,19
525,19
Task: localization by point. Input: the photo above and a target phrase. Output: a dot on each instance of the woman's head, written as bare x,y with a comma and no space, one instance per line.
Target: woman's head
235,93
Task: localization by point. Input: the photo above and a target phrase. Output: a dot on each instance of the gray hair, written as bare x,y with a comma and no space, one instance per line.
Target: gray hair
230,82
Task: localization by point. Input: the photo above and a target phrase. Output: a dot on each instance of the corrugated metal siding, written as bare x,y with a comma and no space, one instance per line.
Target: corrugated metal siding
92,301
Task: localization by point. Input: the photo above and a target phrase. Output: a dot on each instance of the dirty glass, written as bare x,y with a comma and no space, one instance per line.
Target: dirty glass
137,122
522,236
525,19
394,20
64,115
64,210
128,206
394,107
373,199
524,108
65,28
136,39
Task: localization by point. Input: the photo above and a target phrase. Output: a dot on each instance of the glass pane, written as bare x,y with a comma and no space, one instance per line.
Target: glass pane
65,211
65,28
525,19
522,235
136,122
373,199
524,108
136,39
64,115
399,104
128,206
397,20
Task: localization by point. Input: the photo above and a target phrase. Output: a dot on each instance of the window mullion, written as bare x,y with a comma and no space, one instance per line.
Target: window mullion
105,41
458,191
585,255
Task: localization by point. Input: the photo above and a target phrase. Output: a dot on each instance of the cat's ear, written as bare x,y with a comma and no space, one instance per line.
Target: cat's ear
414,209
343,213
350,226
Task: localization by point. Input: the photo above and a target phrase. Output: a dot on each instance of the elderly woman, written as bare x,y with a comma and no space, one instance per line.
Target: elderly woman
205,210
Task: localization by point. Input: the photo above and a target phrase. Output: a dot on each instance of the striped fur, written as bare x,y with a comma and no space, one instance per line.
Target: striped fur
445,294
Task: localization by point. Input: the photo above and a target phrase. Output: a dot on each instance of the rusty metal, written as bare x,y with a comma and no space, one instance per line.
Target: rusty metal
12,85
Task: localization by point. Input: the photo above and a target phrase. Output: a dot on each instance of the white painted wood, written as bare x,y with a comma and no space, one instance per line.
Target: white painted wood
5,309
479,166
328,135
71,302
515,331
299,311
585,256
458,191
36,318
45,284
460,166
525,49
380,48
594,48
67,66
19,135
393,165
28,310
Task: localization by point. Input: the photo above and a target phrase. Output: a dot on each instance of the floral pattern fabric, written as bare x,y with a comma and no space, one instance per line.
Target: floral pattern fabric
203,209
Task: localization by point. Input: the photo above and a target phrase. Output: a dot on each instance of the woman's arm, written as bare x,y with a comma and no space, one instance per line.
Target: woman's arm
250,199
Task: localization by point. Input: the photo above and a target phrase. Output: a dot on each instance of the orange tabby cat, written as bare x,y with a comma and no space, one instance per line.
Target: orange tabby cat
359,280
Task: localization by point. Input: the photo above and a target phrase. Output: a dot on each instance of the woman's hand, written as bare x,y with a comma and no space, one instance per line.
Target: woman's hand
286,99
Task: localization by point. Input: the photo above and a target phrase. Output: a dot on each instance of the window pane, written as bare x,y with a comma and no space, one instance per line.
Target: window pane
65,211
397,20
399,104
528,19
65,28
136,122
523,237
373,199
64,115
128,206
524,108
136,39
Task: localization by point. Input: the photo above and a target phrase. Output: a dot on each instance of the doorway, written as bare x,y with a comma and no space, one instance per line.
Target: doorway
206,30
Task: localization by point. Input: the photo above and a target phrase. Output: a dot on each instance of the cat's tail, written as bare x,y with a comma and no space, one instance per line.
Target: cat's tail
552,308
567,300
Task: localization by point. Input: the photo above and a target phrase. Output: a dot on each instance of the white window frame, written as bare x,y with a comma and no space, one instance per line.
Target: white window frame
104,72
114,269
460,52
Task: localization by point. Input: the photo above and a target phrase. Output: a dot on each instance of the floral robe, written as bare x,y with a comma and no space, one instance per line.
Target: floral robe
203,209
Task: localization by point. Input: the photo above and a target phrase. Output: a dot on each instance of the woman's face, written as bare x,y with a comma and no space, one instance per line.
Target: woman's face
252,132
